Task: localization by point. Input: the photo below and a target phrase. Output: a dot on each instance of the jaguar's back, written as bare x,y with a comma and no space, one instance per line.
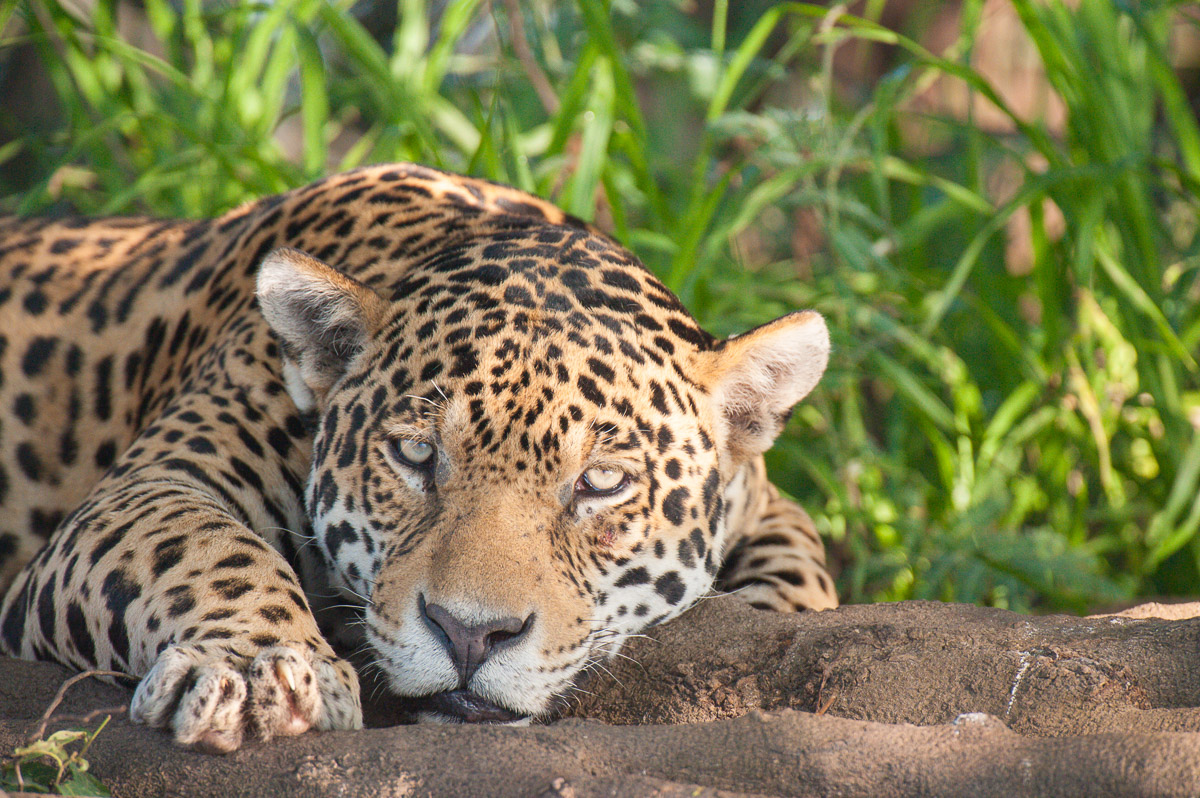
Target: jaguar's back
85,340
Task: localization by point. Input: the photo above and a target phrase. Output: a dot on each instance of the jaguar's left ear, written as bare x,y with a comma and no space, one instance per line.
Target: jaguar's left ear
323,319
755,379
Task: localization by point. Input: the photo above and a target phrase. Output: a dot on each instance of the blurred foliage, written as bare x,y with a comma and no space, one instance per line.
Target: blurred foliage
1013,431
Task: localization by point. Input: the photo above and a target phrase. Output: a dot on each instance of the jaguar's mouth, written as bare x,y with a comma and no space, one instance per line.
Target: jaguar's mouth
462,706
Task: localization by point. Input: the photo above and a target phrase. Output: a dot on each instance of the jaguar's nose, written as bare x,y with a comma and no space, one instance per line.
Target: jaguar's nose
471,645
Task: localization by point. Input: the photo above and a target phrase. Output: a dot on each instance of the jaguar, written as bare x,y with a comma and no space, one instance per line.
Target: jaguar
424,416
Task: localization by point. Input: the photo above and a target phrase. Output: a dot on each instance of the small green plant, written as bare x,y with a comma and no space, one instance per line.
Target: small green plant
55,765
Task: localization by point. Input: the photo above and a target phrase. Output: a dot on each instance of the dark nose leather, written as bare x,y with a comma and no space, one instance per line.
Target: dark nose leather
470,646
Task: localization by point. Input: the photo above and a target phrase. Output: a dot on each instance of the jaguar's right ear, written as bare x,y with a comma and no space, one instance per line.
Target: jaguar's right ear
322,317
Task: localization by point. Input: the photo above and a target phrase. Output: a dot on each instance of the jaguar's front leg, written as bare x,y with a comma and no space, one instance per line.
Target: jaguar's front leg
157,576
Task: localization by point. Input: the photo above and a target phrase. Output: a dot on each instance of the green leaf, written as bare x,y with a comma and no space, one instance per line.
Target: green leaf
910,386
593,147
314,101
82,782
35,777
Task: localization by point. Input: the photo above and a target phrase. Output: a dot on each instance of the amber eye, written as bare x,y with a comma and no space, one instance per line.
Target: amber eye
413,452
601,481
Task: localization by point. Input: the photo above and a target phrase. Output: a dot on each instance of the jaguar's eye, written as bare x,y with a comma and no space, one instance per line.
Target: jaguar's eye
601,481
413,452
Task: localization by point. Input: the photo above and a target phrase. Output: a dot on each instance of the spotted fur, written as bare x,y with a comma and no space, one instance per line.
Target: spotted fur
393,391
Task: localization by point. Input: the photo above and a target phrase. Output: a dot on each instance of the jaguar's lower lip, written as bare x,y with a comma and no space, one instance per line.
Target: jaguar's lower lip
464,706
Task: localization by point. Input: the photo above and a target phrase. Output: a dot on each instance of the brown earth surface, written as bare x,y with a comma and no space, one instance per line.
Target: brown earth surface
896,699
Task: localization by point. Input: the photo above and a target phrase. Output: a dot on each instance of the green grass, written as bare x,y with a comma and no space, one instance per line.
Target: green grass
1024,438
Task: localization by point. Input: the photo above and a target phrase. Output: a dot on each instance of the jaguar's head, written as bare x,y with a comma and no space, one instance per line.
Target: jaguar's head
522,455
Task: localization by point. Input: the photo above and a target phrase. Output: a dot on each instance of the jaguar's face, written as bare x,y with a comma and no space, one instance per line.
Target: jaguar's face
511,479
506,528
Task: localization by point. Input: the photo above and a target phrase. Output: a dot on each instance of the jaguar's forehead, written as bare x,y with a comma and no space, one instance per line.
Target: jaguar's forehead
538,279
535,313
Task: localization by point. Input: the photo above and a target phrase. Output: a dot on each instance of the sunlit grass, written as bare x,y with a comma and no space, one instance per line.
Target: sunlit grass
1016,436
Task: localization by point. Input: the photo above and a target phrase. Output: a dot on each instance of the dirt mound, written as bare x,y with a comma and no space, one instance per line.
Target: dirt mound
900,699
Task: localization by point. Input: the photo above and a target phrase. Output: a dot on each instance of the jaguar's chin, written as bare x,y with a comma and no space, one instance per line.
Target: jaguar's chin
461,706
